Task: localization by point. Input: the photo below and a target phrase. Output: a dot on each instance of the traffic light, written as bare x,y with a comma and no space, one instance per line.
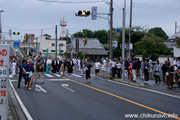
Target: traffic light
26,37
84,41
83,13
16,33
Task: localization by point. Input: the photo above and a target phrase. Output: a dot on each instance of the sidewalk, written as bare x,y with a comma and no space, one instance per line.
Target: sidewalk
151,84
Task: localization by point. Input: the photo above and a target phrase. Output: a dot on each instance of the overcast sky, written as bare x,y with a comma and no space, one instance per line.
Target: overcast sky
30,16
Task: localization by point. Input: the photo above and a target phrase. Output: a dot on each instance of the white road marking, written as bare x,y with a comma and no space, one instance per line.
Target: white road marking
13,80
21,103
150,90
10,76
40,88
76,75
66,86
69,75
48,75
57,80
57,75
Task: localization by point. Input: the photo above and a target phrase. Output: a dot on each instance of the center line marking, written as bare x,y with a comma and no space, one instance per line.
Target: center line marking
144,106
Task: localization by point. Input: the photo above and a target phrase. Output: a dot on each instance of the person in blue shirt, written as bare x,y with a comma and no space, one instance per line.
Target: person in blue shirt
22,73
134,69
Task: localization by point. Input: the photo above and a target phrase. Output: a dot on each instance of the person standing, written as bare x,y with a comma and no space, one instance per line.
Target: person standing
146,71
142,69
14,68
79,64
88,71
22,73
54,66
48,63
62,69
170,82
126,69
165,68
44,64
38,72
113,68
104,65
134,69
58,64
110,68
119,69
130,70
157,72
97,68
74,63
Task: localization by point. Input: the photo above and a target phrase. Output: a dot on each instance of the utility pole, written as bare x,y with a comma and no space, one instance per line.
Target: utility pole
130,27
56,42
111,27
175,27
123,38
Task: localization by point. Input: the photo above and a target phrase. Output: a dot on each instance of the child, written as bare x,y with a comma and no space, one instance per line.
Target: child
30,77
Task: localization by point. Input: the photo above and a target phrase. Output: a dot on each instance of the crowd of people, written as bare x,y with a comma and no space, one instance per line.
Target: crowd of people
27,66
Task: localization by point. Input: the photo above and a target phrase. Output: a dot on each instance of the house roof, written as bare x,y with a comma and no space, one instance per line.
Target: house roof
174,36
93,46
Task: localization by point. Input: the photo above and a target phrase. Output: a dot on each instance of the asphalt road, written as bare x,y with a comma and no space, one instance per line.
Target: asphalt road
70,98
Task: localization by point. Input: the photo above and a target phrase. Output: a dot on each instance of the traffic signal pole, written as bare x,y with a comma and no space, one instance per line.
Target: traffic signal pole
56,42
111,27
130,27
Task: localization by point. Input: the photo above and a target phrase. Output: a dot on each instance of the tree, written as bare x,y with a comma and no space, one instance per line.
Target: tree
157,31
177,40
102,35
150,47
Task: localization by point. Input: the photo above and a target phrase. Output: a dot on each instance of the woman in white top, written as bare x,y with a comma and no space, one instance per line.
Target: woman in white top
113,68
48,64
97,68
13,68
104,65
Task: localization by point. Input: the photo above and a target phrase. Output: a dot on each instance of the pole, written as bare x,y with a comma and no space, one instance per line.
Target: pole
123,38
56,42
175,27
130,27
111,24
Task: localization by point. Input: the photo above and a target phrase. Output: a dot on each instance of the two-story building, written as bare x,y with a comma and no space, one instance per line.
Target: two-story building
47,45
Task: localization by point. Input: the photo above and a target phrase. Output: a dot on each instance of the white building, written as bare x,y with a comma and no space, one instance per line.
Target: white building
44,43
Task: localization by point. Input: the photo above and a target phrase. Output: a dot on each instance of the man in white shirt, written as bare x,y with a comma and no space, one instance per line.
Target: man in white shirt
97,68
75,63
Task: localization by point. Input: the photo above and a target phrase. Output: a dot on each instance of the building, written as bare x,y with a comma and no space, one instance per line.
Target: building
45,44
171,44
93,49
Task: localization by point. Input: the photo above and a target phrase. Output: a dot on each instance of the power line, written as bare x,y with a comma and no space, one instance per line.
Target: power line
27,29
71,2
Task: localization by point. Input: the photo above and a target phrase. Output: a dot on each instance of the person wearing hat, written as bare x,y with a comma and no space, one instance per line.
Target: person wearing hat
164,69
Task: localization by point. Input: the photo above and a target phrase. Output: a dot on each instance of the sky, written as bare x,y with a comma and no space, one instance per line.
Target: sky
30,16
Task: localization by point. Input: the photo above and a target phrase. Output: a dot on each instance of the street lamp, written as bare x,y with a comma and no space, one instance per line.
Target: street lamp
0,24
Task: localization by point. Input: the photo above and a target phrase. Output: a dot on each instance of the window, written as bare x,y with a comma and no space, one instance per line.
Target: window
52,50
44,50
61,45
53,44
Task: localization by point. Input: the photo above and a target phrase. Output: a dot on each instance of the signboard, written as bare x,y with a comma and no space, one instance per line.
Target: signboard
94,12
115,44
16,44
4,77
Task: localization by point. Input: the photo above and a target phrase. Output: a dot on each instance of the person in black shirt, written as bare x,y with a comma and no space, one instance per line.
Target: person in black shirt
88,71
165,68
22,73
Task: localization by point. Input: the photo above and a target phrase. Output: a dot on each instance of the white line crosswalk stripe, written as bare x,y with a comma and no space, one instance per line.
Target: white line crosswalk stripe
48,75
76,75
57,75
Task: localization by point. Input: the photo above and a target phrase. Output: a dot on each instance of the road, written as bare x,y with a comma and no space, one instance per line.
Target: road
70,98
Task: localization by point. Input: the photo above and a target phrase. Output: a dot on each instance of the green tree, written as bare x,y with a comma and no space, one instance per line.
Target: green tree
150,47
177,40
157,31
102,35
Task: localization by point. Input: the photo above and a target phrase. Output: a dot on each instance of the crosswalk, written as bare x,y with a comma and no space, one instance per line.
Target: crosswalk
50,76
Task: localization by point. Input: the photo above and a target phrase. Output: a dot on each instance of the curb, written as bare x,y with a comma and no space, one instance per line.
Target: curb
139,85
15,108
